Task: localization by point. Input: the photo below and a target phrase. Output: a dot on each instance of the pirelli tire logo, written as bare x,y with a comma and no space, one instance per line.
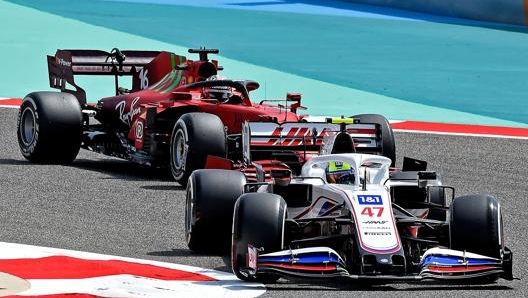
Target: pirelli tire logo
378,233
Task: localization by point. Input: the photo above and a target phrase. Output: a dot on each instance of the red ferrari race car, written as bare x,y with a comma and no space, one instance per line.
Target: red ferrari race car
178,113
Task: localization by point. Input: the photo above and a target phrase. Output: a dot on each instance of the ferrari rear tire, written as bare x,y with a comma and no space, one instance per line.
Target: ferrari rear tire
49,127
258,221
388,144
476,225
210,200
194,137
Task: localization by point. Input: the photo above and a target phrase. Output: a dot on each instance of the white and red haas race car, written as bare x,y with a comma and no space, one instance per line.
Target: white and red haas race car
363,221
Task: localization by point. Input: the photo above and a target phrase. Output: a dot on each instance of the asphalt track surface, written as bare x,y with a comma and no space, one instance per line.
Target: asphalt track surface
120,208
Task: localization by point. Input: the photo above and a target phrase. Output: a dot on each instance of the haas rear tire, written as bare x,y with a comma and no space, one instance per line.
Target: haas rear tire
258,220
50,127
476,225
194,137
210,200
388,145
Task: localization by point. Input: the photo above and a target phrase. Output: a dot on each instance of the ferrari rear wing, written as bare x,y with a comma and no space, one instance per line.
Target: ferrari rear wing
259,138
67,63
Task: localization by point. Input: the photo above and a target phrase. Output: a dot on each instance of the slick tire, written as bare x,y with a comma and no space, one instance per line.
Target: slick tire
49,127
388,144
210,200
194,137
476,225
258,220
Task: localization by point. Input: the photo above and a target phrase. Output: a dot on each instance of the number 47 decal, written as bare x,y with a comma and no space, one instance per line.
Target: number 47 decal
378,211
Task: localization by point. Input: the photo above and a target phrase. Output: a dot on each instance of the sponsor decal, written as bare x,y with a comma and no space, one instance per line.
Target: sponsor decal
375,228
375,222
139,130
252,257
370,200
378,233
290,134
127,117
138,133
143,78
63,62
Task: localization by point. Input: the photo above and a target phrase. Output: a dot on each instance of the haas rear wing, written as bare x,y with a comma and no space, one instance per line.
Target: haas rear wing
271,140
67,63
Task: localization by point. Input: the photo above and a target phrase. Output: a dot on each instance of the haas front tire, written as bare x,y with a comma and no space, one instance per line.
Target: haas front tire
210,199
49,127
476,225
194,137
258,220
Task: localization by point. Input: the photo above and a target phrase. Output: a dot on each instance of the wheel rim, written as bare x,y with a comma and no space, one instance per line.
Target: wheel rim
28,127
189,213
179,154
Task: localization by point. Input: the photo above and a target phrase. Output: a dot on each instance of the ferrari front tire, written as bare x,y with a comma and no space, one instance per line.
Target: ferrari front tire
194,137
49,127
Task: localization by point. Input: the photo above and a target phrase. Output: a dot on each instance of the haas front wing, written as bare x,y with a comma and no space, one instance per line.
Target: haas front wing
381,254
323,262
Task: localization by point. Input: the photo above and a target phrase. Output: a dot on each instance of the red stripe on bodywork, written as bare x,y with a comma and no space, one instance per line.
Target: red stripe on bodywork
312,206
461,128
460,268
63,267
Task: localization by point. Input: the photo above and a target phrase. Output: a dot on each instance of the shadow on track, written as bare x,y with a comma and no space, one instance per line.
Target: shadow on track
122,169
116,169
12,162
344,284
173,253
188,253
178,252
